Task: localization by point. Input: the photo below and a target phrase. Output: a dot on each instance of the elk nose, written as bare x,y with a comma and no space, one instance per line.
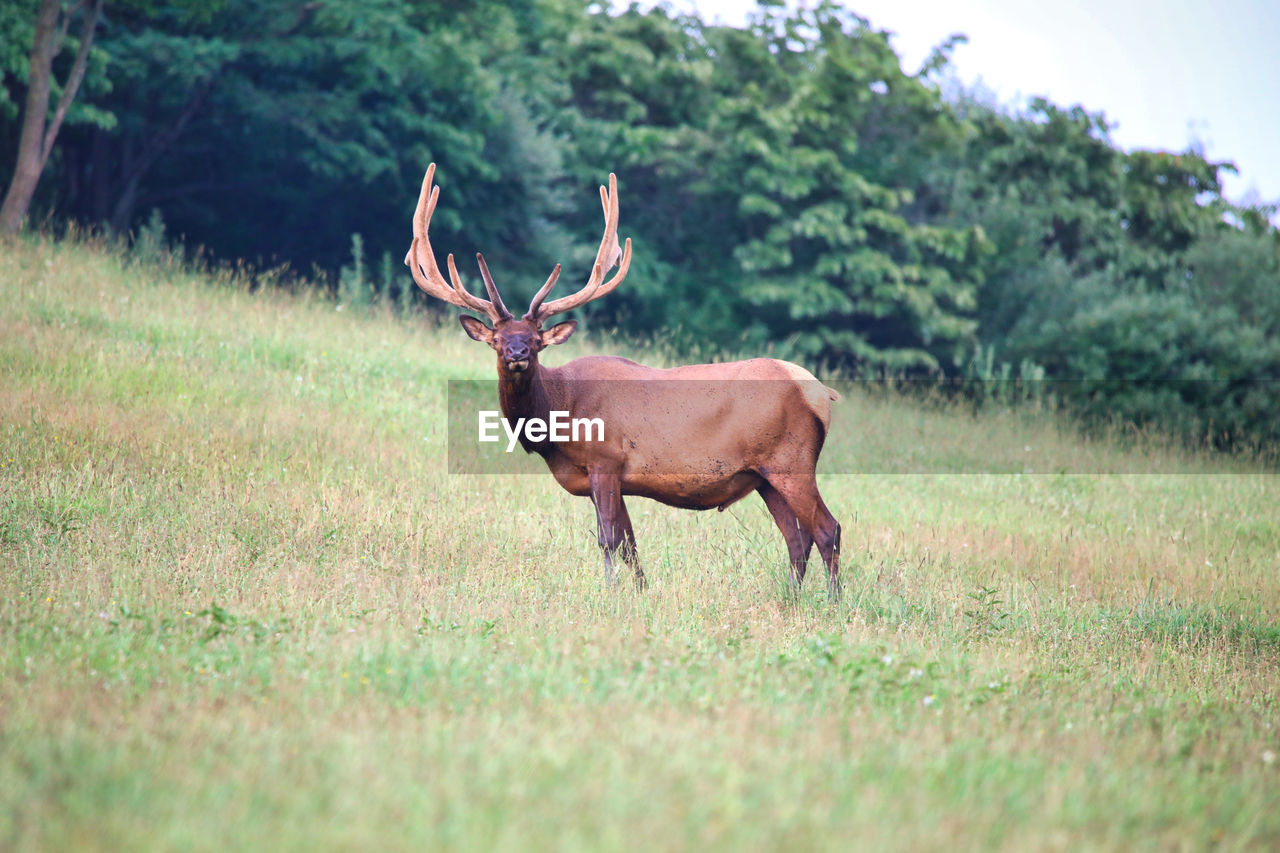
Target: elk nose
518,352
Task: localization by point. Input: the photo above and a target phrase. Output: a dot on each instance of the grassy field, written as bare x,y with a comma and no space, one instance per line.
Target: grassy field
242,606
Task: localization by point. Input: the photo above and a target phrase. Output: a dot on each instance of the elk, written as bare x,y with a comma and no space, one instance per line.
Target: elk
695,437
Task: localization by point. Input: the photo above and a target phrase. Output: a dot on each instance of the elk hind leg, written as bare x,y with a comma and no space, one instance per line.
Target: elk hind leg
801,495
799,540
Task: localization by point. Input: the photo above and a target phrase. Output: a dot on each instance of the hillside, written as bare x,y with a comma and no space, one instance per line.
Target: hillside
243,604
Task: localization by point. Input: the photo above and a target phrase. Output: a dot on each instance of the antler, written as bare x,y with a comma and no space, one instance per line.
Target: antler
606,258
421,261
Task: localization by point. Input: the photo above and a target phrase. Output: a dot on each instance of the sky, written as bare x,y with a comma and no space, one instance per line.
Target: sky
1167,73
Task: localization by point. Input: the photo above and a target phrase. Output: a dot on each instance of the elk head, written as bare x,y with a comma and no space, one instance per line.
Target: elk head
516,341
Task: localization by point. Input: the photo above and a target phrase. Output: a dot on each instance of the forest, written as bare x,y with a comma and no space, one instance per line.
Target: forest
789,187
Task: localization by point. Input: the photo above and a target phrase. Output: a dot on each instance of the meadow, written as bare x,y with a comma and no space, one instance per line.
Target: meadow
243,605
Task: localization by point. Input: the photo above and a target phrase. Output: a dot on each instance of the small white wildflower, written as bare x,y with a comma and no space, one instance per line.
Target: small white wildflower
927,701
1268,757
915,673
886,660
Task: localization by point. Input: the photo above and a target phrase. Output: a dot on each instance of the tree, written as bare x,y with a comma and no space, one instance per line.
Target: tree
274,129
772,173
39,130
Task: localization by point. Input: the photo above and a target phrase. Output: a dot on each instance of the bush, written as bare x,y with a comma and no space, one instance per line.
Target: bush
1164,359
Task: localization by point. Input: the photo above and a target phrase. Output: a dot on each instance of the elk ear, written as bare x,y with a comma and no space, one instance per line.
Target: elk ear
476,329
559,333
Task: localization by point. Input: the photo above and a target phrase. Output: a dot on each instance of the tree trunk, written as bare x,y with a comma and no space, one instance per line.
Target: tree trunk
36,140
26,172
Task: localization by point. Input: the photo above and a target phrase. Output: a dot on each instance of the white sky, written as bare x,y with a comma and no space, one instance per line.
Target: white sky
1166,72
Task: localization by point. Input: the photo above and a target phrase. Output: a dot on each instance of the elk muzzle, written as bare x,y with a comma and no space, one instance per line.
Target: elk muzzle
516,355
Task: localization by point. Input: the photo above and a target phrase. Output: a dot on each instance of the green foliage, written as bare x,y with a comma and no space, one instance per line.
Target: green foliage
1122,277
986,616
17,18
150,247
1237,270
354,288
789,188
777,224
1158,359
16,25
829,253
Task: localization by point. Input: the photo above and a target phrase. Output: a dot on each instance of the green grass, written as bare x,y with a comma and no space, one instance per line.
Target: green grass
242,605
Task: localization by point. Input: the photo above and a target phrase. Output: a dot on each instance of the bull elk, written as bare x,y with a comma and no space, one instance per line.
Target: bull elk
696,437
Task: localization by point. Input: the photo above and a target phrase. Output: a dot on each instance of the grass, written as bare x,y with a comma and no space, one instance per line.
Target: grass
243,605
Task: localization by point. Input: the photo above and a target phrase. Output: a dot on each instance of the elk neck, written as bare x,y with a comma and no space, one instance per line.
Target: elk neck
531,393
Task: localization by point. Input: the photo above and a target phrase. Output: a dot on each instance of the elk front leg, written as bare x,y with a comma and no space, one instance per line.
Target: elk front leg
614,526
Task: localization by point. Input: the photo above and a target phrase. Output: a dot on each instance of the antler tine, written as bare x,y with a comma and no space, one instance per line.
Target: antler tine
532,313
423,264
475,303
421,259
608,255
491,288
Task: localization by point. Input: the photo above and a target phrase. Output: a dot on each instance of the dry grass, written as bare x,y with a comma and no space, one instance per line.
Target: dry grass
242,604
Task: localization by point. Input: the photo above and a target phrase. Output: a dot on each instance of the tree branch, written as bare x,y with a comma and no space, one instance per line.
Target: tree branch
61,37
74,79
156,146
